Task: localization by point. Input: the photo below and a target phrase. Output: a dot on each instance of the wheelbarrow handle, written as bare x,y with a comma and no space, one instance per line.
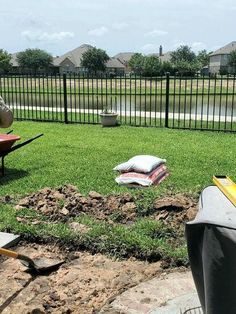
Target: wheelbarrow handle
24,143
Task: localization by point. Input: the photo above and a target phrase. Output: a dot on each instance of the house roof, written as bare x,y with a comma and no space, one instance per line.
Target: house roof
74,55
124,57
164,57
225,50
155,54
114,63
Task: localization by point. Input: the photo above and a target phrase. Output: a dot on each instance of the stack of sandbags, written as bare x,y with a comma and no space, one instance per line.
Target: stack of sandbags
6,116
143,170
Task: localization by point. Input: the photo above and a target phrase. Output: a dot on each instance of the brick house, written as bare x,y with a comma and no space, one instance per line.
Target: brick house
219,58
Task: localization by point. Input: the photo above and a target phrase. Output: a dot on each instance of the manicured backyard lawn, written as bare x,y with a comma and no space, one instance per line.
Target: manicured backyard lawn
84,155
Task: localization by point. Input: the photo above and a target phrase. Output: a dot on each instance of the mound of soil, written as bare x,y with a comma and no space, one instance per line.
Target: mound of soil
66,202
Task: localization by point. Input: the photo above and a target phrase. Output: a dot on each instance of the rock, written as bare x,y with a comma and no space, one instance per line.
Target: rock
45,209
162,215
83,200
128,207
64,211
19,207
24,202
127,198
95,195
112,203
191,213
41,204
22,219
69,189
176,202
58,196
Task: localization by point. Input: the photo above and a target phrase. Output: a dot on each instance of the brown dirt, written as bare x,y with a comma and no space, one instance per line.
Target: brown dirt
66,202
85,282
83,285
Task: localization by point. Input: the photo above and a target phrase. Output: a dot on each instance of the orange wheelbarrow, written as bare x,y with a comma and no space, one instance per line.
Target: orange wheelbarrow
7,145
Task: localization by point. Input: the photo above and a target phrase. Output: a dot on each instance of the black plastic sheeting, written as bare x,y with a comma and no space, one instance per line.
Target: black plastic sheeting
211,240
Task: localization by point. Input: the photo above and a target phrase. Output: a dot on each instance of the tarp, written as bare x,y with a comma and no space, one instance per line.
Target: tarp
6,115
211,240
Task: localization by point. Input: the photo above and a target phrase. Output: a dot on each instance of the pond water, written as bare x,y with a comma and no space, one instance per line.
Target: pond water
129,104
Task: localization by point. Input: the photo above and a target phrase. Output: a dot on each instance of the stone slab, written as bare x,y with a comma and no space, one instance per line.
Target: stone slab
183,302
165,294
8,239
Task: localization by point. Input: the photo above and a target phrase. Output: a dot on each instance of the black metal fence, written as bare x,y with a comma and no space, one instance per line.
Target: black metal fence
204,103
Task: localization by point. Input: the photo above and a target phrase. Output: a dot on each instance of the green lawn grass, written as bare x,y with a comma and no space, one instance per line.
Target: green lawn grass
84,155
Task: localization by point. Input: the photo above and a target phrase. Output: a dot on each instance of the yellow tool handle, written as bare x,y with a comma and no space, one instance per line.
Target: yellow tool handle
8,253
227,186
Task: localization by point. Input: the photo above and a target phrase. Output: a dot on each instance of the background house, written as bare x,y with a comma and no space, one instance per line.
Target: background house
124,58
70,62
219,58
162,56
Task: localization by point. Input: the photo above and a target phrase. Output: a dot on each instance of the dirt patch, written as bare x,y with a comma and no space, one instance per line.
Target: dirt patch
66,202
86,282
82,285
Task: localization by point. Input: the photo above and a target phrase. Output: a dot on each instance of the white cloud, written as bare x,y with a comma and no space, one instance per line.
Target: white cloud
120,26
100,31
149,48
156,32
177,44
46,37
198,45
195,46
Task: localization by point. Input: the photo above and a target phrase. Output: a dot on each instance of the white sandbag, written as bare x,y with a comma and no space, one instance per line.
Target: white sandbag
6,115
140,163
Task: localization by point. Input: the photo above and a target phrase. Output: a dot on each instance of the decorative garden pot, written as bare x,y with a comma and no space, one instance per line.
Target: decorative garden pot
108,119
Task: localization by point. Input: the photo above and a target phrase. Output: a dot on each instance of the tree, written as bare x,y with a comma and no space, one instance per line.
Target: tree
94,60
137,63
167,66
151,66
34,59
185,61
184,68
183,53
232,62
5,61
203,58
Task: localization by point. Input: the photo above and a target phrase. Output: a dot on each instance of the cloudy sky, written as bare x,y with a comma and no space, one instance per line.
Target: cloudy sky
116,25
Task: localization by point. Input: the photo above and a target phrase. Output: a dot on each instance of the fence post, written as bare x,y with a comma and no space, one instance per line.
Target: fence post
65,99
167,99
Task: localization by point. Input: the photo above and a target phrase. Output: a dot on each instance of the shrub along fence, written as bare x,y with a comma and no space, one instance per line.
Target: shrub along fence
206,103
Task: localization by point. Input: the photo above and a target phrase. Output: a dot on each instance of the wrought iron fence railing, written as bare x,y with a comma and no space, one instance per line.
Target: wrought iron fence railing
201,102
